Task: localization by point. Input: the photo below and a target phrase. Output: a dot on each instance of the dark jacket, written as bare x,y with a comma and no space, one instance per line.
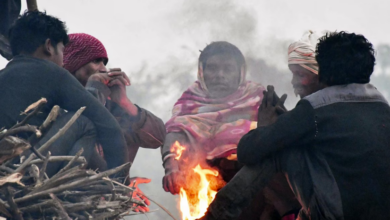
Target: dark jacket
26,79
145,130
347,127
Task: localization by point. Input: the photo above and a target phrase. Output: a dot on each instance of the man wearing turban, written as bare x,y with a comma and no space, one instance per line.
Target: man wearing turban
334,145
231,199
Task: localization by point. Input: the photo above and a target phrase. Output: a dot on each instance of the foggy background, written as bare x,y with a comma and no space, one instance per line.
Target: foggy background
157,44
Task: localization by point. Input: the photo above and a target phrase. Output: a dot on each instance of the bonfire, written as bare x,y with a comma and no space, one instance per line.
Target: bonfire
202,184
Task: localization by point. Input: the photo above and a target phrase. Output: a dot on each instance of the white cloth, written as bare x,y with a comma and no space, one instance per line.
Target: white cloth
302,52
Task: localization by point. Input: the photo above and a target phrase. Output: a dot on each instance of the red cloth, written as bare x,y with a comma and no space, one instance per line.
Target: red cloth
82,49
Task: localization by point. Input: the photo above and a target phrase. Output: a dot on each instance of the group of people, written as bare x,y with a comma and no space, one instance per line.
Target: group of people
324,159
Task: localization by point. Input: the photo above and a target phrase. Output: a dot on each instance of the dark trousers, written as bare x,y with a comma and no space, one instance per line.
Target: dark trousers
246,185
81,134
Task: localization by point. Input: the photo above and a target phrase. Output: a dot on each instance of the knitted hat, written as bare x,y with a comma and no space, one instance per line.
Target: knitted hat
82,49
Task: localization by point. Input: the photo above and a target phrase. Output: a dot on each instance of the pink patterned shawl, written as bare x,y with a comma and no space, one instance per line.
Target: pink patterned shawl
216,125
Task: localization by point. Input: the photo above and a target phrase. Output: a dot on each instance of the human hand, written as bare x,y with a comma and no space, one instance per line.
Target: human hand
113,77
138,194
117,84
174,178
268,111
279,104
118,77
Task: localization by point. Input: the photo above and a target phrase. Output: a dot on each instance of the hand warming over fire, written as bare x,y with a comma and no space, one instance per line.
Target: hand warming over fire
174,178
138,194
271,107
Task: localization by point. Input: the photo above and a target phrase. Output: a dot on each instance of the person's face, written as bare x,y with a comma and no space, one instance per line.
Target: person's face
304,81
95,66
58,56
221,75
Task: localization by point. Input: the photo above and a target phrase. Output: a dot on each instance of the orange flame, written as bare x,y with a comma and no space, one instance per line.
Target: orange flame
196,209
178,149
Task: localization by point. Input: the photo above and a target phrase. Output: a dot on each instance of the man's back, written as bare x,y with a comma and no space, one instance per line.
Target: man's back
353,127
26,79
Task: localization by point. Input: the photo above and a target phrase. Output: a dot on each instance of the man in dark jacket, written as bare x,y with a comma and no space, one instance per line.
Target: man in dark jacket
344,128
86,58
37,42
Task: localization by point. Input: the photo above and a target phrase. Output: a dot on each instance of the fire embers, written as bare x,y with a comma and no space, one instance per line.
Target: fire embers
200,186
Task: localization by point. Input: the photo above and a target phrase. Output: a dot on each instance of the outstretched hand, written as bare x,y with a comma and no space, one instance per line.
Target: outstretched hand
271,107
174,178
138,194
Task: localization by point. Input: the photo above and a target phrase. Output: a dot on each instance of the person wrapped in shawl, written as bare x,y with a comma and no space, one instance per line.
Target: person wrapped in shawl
308,174
211,116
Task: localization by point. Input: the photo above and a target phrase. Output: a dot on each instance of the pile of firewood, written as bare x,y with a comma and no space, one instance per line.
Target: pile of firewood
74,192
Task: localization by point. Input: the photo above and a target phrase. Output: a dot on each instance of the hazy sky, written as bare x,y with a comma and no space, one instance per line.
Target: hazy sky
150,32
135,32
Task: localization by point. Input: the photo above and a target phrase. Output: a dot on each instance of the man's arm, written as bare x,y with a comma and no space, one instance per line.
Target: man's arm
71,96
292,128
147,130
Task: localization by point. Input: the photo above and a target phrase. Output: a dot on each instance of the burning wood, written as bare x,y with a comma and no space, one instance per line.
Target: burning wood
201,186
197,207
74,192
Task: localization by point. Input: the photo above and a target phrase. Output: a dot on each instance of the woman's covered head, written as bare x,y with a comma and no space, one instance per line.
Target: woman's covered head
221,69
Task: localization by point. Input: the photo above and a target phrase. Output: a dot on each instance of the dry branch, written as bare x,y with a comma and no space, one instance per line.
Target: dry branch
73,192
59,159
73,184
52,139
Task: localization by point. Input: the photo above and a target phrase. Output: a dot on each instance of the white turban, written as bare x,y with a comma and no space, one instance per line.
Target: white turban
302,52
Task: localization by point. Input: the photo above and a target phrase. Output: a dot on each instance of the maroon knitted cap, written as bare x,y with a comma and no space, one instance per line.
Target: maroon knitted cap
82,49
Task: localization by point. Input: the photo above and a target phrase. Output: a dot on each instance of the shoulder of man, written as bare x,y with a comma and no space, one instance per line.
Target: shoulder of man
353,92
41,65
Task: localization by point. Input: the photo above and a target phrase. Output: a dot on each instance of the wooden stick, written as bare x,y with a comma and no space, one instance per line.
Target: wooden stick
32,5
62,213
17,215
55,111
73,184
33,140
73,207
42,172
39,104
52,139
73,174
4,207
39,155
24,128
6,169
162,207
59,159
74,159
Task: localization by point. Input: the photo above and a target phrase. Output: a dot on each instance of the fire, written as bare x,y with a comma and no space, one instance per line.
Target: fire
192,210
178,149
